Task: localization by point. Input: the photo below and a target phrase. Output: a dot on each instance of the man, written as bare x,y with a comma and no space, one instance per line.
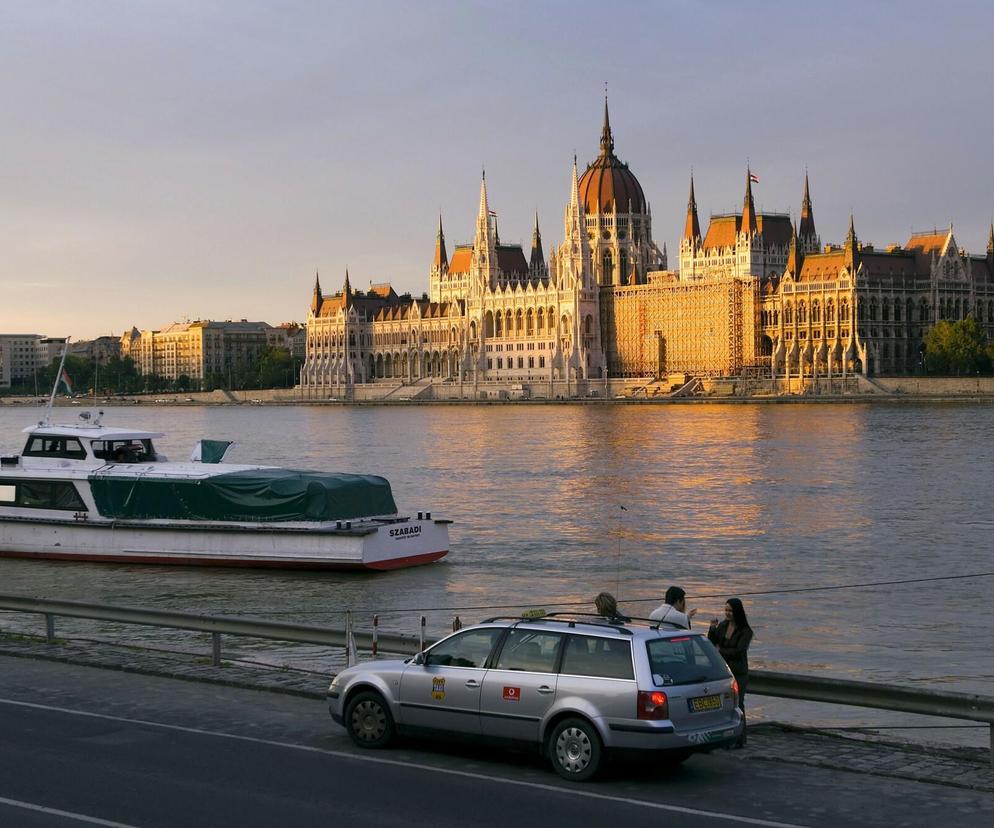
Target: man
673,610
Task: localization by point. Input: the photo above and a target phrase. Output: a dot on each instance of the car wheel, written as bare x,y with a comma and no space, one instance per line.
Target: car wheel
368,720
575,750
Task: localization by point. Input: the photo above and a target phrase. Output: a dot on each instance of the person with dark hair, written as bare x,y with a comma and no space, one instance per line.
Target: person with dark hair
732,638
607,607
674,610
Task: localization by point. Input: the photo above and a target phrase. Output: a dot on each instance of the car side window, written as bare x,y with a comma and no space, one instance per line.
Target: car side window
598,657
466,649
531,651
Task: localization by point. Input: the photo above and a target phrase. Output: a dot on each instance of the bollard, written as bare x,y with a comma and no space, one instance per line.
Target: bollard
376,632
421,647
49,628
216,649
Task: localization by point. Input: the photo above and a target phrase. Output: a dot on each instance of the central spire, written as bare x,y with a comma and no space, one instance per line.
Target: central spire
607,139
748,207
692,229
441,257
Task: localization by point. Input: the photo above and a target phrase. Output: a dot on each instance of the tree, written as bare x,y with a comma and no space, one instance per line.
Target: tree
275,368
956,347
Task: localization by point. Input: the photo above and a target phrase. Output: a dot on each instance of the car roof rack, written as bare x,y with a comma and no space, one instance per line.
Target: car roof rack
573,618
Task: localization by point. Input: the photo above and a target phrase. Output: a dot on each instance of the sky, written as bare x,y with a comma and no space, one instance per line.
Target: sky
162,161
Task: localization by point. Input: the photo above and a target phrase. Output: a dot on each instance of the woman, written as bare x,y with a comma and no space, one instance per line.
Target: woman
732,638
607,607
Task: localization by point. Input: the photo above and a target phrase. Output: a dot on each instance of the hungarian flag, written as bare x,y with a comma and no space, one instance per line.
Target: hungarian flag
66,381
754,178
493,214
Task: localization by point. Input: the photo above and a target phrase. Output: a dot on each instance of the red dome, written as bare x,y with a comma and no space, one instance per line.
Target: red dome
608,185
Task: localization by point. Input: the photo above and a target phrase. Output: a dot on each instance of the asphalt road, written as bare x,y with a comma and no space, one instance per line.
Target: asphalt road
84,746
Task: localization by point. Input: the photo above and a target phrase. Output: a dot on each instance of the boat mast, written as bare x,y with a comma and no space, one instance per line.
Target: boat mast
55,385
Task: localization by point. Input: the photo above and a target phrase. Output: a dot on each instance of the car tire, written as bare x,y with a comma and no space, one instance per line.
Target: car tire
368,720
575,750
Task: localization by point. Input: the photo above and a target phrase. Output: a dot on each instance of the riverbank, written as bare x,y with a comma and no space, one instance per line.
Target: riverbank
590,392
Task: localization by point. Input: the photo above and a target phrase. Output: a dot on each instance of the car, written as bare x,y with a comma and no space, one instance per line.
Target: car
576,687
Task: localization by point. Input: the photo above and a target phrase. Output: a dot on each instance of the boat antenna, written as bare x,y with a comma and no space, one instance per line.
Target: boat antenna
55,385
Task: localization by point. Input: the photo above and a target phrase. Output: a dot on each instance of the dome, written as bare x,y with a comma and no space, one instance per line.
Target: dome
608,185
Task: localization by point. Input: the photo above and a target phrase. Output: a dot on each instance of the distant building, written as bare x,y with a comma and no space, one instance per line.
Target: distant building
289,335
4,364
199,350
753,295
100,350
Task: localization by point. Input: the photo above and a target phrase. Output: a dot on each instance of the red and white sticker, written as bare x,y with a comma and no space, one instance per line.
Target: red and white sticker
512,693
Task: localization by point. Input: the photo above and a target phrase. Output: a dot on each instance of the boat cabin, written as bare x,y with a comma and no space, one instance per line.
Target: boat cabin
110,445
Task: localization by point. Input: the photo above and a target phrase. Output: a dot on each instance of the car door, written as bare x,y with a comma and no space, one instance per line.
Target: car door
444,692
520,686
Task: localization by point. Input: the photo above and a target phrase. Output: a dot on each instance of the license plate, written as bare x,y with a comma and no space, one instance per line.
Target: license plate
703,703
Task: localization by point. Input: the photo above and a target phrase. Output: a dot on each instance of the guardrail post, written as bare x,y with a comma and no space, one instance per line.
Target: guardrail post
216,655
49,628
421,635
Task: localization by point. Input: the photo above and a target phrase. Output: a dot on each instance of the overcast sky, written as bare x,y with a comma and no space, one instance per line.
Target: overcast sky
162,161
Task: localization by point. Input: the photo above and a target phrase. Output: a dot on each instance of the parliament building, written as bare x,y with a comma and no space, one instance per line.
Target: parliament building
753,296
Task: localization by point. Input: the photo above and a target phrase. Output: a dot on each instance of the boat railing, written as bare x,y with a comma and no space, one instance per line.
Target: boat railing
963,706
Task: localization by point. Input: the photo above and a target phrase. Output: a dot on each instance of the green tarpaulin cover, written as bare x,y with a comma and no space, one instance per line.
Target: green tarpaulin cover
253,495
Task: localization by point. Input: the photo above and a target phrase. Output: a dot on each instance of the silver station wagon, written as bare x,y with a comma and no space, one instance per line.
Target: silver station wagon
574,686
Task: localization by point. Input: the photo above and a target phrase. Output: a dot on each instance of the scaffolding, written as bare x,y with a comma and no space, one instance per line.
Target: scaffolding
704,328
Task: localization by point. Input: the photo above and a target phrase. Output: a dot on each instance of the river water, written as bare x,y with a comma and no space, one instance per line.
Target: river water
553,503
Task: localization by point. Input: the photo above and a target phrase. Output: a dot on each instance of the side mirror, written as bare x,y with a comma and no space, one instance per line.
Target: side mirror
420,659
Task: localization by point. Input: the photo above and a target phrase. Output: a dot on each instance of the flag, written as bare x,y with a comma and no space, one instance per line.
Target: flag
66,381
754,178
493,214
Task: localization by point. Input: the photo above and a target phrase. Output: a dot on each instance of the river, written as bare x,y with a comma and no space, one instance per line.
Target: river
553,503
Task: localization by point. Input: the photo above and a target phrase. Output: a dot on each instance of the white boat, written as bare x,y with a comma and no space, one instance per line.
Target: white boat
91,493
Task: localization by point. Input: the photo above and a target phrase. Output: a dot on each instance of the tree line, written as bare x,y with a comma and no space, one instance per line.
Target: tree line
275,367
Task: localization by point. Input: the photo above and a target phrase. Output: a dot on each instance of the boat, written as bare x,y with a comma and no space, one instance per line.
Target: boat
88,492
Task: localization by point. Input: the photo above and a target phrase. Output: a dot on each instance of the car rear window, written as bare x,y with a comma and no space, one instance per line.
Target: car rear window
685,659
533,652
598,657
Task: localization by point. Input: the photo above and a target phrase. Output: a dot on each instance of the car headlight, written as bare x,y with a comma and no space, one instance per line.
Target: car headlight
334,684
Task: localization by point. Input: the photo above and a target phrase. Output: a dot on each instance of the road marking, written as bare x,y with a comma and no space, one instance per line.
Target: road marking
41,809
571,791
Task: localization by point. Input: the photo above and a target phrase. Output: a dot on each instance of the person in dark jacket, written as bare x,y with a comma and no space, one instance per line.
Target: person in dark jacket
732,638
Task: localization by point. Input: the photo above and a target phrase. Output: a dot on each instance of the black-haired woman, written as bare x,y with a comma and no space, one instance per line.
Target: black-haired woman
732,638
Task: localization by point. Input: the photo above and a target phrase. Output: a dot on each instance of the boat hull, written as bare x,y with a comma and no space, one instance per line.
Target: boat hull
374,545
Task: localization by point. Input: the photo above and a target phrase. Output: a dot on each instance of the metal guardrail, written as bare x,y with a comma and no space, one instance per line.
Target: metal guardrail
761,682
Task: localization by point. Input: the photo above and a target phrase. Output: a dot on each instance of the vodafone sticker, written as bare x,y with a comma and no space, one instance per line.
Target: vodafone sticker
512,693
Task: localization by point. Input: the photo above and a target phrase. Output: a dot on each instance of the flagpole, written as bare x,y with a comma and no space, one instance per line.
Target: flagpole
55,385
617,586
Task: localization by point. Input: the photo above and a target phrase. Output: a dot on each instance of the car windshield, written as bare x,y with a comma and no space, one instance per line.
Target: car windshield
685,659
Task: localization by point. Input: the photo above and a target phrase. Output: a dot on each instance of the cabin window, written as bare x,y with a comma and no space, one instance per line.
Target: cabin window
124,451
45,446
8,494
44,494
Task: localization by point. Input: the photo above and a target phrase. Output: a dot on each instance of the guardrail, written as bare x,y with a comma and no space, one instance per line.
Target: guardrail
761,682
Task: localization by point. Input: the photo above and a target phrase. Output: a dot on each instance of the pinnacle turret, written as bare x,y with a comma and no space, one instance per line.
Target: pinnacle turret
317,298
806,231
748,207
990,241
538,257
852,246
692,229
795,256
441,257
607,139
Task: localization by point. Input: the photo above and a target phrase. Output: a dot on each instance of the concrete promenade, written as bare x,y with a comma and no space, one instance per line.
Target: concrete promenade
962,768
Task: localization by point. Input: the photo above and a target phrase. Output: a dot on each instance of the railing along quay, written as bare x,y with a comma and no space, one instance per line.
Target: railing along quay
964,706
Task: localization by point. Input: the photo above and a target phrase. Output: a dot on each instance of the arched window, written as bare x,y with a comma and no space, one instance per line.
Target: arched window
624,267
874,309
816,311
844,310
529,323
885,311
802,313
540,320
830,311
519,324
923,311
607,265
488,324
788,314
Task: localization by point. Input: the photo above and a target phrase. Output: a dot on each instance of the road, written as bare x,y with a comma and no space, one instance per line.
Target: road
85,746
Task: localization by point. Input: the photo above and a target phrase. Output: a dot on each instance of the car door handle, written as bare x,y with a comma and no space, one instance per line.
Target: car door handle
472,683
545,690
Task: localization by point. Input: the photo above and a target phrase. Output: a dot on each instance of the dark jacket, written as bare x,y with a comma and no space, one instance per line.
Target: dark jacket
735,650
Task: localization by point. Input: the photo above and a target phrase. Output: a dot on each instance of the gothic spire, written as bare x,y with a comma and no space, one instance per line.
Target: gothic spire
990,241
795,256
441,257
852,246
537,257
748,208
483,241
607,139
317,298
692,229
347,288
807,224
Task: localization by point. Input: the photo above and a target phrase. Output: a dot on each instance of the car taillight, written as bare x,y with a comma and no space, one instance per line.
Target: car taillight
735,691
653,704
